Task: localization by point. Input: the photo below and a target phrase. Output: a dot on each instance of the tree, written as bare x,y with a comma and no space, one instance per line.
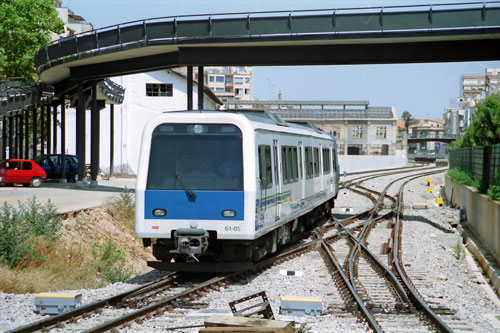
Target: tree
485,129
409,120
25,27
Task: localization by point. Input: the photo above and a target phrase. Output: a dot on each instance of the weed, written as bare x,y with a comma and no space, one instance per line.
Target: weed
19,226
463,178
122,208
494,192
109,261
459,250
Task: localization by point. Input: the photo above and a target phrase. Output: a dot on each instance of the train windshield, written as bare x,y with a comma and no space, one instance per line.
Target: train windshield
196,157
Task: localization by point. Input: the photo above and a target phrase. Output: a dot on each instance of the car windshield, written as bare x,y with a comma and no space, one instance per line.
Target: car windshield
196,157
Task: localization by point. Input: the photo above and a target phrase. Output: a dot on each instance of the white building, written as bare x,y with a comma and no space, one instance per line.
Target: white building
229,82
73,24
146,95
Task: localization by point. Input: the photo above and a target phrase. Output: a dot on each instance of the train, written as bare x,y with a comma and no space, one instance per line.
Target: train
219,190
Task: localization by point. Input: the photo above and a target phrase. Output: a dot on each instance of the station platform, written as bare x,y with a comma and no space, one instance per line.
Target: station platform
67,197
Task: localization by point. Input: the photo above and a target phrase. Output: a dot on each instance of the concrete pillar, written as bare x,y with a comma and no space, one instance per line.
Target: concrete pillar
42,130
94,137
190,87
80,134
54,128
11,137
4,138
47,129
63,139
34,122
201,84
111,140
26,135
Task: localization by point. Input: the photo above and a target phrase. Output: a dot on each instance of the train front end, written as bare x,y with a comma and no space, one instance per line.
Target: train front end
191,203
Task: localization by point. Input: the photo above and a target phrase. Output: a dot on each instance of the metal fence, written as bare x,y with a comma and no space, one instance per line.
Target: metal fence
483,163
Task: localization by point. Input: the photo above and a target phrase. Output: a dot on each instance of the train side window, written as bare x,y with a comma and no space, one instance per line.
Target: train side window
265,168
309,162
295,172
284,166
316,162
326,160
300,160
289,164
334,159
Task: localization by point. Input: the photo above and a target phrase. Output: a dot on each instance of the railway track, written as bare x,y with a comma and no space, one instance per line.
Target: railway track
363,289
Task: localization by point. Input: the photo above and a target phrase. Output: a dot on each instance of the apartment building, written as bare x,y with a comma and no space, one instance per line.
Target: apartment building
425,129
73,23
229,82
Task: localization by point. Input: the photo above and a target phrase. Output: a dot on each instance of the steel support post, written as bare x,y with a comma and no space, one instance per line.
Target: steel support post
4,138
80,132
11,137
201,83
47,130
190,87
16,136
54,128
63,138
42,130
20,125
94,136
34,122
111,140
27,135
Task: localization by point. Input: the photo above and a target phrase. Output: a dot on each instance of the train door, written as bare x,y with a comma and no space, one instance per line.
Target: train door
302,176
277,177
321,168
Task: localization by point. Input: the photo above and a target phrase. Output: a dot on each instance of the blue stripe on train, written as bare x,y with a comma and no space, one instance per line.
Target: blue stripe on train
208,205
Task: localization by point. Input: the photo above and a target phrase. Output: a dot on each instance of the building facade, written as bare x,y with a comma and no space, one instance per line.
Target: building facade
229,82
73,23
358,128
426,129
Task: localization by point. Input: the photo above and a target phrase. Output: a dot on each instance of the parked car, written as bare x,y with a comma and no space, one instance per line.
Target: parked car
18,171
53,166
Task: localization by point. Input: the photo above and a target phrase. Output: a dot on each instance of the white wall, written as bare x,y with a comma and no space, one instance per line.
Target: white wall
130,118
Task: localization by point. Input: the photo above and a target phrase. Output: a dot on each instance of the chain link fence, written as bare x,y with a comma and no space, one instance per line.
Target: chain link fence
483,163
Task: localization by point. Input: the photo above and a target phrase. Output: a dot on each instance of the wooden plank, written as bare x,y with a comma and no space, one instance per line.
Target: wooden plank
242,323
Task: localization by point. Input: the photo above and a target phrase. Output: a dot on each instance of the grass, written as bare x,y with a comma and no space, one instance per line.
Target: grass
459,250
33,260
463,178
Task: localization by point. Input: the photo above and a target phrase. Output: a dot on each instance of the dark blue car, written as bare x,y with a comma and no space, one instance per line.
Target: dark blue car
53,167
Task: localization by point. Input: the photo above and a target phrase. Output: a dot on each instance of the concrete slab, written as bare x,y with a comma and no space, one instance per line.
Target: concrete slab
450,240
207,313
67,197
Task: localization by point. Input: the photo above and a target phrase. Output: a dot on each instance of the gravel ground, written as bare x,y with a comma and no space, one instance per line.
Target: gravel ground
449,278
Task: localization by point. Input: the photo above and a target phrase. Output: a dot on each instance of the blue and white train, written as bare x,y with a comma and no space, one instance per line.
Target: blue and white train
218,190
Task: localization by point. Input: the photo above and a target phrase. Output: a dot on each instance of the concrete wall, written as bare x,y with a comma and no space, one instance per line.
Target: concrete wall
354,163
483,215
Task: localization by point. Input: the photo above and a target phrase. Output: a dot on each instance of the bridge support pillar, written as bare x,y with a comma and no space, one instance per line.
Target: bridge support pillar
111,140
94,137
63,139
34,121
11,137
54,128
42,130
80,134
16,137
190,87
47,129
20,132
26,135
201,84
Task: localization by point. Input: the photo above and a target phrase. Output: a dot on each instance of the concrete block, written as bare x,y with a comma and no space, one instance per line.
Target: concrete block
47,303
207,313
301,306
419,205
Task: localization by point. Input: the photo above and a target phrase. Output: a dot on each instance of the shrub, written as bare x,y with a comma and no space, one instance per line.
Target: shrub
494,192
20,226
122,208
463,178
109,261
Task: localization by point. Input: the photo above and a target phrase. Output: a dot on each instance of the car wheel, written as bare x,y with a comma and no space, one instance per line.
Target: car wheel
36,181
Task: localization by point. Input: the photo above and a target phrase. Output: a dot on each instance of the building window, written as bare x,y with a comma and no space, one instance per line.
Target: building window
247,80
238,80
228,89
335,132
159,89
219,79
247,91
211,78
219,89
229,79
381,132
357,132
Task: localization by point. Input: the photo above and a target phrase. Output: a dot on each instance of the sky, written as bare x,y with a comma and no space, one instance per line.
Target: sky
424,90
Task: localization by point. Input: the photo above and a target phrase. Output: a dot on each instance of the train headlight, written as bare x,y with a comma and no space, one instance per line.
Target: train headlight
228,213
159,212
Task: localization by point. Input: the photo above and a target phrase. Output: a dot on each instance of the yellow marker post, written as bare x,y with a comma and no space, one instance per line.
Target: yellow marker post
428,180
439,201
429,189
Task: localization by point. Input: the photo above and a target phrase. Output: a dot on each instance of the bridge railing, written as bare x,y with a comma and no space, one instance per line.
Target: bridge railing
483,163
270,24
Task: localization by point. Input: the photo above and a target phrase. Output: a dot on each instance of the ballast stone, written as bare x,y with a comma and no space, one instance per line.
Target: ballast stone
48,303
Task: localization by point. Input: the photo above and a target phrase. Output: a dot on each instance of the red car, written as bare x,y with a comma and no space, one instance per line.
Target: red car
24,172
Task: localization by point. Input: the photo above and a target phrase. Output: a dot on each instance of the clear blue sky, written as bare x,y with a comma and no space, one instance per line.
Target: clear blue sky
425,90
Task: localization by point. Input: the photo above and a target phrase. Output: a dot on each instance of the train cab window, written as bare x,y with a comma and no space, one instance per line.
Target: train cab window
196,157
309,162
316,162
265,168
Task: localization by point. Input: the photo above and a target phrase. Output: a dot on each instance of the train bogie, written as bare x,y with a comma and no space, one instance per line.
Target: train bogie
218,190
